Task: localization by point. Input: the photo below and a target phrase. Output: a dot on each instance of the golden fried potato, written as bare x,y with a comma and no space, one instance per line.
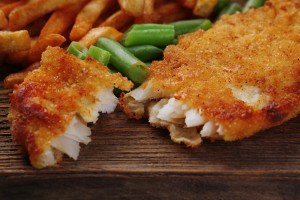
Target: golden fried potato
187,3
14,41
7,8
165,13
3,21
132,7
118,20
5,2
88,16
27,13
18,78
204,8
20,57
106,31
41,45
62,19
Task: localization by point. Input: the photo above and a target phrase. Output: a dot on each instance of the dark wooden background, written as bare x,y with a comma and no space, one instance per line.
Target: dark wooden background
127,159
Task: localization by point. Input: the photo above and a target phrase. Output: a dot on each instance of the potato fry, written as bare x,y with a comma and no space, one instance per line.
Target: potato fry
14,41
62,19
137,8
165,13
20,56
132,7
34,28
94,34
88,16
36,51
149,7
10,7
204,8
27,13
187,3
118,20
4,2
3,21
18,78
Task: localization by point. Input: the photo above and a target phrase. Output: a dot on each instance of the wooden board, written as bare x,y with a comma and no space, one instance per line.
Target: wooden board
126,156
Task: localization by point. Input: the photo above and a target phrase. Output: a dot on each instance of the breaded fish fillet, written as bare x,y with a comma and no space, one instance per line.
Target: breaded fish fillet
238,78
50,109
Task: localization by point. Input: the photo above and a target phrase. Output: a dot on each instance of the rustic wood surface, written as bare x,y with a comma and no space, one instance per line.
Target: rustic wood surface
127,159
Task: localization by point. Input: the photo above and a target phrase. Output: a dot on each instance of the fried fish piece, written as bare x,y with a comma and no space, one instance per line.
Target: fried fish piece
238,78
50,109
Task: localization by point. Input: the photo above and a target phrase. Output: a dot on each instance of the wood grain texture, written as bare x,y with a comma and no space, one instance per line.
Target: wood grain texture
127,156
128,159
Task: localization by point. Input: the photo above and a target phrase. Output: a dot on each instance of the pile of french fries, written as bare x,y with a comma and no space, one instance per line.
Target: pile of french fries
28,27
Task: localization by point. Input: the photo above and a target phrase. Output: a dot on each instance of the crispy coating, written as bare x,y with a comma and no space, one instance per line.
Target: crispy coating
257,49
49,98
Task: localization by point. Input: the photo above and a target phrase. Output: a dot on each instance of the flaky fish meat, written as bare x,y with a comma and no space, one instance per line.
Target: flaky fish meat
50,110
240,77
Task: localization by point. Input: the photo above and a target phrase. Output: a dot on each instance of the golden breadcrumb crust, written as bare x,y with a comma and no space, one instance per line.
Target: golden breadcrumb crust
258,48
44,104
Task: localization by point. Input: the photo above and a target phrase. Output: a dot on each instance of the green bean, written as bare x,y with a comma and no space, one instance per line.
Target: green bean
253,4
99,54
220,5
124,61
139,27
175,41
77,50
231,9
187,26
158,35
146,53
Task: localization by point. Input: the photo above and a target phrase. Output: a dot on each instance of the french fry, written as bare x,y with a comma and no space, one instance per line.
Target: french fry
62,19
38,46
10,7
5,2
3,21
149,7
18,78
187,3
204,8
118,20
20,56
132,7
137,8
17,57
41,45
27,13
88,16
34,28
165,13
94,34
14,41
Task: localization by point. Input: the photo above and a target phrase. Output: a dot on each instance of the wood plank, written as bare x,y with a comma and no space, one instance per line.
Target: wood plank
125,146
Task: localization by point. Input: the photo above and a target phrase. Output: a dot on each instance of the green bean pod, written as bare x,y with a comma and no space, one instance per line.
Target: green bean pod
78,50
124,61
253,4
220,6
188,26
231,9
146,53
159,35
99,54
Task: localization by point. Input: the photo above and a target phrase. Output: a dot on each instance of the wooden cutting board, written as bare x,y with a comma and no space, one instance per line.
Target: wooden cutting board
127,159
